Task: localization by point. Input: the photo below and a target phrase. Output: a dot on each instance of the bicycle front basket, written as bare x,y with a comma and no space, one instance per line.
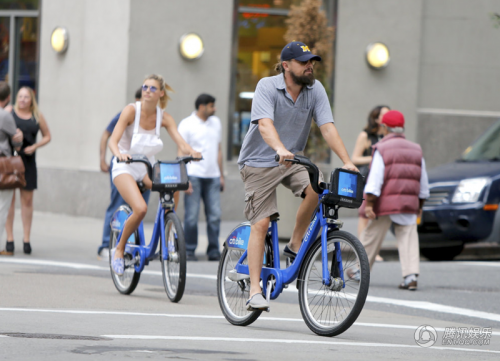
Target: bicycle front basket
170,176
346,189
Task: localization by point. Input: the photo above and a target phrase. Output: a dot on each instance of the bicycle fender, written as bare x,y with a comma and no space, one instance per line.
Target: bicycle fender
238,238
119,217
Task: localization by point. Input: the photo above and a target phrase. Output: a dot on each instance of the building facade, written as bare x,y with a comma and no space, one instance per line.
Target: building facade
443,74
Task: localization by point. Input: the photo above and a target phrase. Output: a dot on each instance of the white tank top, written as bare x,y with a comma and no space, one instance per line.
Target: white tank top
126,139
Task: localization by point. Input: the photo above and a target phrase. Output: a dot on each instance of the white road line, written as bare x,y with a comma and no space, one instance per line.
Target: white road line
427,306
470,263
143,314
422,305
435,307
292,341
37,262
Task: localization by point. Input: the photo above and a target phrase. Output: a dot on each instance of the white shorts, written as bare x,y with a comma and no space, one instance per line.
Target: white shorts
137,170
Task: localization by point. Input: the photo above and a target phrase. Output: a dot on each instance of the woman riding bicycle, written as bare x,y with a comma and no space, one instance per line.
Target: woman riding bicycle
138,132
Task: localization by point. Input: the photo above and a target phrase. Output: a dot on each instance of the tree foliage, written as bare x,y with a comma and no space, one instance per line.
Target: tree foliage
308,23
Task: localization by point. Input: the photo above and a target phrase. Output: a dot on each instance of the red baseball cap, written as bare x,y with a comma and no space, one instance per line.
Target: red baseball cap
394,119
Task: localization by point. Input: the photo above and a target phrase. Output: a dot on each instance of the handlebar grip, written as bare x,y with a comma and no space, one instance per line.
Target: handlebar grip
294,160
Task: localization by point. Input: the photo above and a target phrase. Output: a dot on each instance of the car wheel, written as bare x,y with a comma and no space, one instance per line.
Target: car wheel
442,253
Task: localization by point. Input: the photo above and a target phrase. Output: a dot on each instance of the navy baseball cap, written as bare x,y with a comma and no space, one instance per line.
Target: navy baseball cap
298,51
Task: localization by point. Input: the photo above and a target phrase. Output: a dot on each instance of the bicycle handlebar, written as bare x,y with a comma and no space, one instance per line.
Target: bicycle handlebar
311,168
139,158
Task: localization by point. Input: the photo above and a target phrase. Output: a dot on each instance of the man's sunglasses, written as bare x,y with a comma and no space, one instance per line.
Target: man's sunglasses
152,88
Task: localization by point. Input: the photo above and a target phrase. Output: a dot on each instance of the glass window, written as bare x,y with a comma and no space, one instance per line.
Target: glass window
4,48
260,42
261,28
487,147
267,4
19,4
26,54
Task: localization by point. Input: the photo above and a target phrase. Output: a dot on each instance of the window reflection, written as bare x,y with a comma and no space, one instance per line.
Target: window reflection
19,4
26,64
259,48
4,48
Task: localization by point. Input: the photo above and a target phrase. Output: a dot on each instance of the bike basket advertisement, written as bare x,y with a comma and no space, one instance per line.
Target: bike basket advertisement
170,173
170,176
346,189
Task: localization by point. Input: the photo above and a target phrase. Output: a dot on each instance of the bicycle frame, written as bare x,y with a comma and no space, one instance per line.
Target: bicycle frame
147,252
288,275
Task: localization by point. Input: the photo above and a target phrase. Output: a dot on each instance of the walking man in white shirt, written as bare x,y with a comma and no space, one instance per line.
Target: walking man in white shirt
202,131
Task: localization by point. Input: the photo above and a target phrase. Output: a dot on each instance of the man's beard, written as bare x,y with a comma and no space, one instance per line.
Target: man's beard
208,113
302,80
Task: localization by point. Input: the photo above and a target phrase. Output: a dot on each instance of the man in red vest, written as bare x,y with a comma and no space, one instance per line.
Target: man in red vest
395,192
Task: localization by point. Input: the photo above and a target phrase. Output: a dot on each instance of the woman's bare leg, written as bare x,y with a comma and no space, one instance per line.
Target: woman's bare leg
27,213
129,191
9,225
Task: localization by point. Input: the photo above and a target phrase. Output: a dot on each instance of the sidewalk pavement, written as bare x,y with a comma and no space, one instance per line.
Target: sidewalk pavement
76,238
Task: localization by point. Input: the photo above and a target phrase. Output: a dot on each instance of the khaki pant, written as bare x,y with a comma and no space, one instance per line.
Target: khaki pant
261,184
409,255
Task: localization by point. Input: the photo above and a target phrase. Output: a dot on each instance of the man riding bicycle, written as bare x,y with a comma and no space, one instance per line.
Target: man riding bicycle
282,109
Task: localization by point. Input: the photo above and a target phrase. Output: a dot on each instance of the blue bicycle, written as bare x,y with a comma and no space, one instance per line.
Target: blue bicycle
167,177
332,270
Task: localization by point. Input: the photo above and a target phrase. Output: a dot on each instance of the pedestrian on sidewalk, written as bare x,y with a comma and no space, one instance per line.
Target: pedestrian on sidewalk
116,199
395,192
30,120
10,136
362,155
202,131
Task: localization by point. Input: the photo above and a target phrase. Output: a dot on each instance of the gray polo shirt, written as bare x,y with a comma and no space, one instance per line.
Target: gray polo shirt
7,130
291,120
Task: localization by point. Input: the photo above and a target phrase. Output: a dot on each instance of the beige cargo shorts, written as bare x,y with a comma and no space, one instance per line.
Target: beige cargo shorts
261,184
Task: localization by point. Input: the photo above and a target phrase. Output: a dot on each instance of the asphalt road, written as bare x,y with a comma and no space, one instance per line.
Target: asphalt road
60,304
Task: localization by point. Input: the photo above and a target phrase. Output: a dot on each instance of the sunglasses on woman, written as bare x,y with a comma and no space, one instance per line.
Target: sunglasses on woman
151,87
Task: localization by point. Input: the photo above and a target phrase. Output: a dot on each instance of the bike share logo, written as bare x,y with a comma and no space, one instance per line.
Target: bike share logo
116,224
170,177
347,190
346,200
309,230
236,241
425,336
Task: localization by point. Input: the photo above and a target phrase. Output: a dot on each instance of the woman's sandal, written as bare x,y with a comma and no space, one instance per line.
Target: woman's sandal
117,264
26,248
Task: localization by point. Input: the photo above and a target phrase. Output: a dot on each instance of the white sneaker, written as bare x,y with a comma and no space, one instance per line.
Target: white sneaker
104,255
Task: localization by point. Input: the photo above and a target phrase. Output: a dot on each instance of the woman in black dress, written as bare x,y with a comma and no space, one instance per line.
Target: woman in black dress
362,154
29,119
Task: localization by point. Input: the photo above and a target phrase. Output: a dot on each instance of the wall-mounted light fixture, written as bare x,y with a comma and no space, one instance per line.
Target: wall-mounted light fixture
59,40
191,46
377,55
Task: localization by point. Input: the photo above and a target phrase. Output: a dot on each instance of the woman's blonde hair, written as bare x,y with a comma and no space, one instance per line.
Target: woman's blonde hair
34,105
163,86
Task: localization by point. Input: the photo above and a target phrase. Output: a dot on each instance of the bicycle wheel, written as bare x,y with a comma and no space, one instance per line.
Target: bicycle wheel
173,268
126,283
329,311
233,295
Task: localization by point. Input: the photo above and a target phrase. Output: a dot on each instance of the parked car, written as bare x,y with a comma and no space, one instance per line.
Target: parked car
464,200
